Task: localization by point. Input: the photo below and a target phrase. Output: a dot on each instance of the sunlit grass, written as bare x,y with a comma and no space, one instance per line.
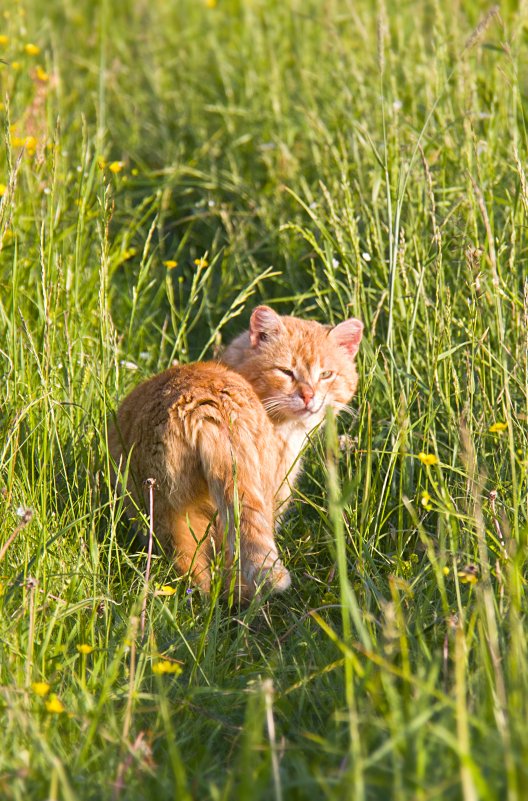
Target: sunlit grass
167,166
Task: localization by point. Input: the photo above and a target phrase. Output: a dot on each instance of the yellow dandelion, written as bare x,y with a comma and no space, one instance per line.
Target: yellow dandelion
32,49
4,40
166,590
427,458
3,189
201,262
30,143
164,666
170,264
84,648
41,74
468,574
40,688
116,166
55,705
16,66
497,427
426,500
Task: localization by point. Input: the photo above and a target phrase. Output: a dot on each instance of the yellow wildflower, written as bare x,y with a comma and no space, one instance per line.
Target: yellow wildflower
497,427
164,666
427,458
40,688
3,189
30,143
16,65
446,570
170,264
201,262
468,574
84,648
116,166
32,49
55,705
426,500
211,3
166,590
4,40
41,74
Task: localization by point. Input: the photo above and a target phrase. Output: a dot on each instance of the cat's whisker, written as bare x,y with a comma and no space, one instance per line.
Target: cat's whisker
272,404
343,407
271,401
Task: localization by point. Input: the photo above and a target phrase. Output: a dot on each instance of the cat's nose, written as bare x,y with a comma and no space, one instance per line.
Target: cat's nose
306,393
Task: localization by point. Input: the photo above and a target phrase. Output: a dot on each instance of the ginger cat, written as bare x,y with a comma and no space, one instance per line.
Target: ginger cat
222,441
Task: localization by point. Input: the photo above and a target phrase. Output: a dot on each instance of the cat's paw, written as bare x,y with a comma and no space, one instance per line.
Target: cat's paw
277,578
256,575
269,574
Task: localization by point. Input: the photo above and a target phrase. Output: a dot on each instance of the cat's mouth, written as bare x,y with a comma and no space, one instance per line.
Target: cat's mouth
276,409
305,412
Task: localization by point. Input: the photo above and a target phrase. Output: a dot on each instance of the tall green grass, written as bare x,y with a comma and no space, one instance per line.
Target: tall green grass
332,159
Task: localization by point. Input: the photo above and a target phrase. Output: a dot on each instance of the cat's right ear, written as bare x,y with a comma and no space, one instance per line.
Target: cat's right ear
264,323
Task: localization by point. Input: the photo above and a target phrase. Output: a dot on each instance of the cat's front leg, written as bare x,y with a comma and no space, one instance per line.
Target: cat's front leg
251,558
262,569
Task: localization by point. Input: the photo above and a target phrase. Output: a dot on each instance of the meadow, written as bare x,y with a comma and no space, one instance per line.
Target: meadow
166,166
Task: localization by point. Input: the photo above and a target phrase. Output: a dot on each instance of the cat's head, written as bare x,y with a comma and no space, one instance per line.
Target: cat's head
297,367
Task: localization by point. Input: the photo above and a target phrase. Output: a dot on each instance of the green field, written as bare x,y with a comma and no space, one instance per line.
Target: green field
165,166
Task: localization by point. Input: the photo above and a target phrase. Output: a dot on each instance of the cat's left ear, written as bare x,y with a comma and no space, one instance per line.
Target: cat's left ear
348,335
264,323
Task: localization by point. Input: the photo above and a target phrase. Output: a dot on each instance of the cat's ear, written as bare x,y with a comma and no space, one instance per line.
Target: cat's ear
348,335
264,323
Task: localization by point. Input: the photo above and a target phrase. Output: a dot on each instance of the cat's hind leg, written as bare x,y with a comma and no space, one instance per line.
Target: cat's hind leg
186,538
244,498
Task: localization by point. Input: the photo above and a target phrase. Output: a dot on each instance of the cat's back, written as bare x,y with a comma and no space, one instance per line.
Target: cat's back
186,395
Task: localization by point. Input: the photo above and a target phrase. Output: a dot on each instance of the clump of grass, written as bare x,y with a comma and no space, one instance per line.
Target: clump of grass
165,167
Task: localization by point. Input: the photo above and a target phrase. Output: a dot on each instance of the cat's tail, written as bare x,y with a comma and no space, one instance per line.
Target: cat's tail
232,467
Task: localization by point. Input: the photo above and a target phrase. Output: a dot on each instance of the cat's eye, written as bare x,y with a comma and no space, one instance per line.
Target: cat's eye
284,371
326,374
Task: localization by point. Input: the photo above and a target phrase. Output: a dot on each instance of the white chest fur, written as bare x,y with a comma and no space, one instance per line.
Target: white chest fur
290,440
